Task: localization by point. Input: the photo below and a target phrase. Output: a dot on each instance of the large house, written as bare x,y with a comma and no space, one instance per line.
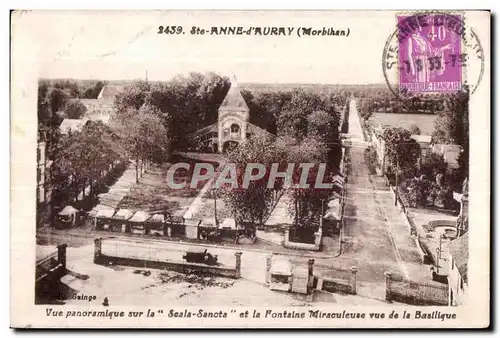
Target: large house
449,152
101,109
232,127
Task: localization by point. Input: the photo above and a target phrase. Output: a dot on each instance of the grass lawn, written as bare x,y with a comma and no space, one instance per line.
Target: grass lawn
207,208
153,194
424,121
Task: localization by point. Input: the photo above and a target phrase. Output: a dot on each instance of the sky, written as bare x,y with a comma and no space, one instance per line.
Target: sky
124,45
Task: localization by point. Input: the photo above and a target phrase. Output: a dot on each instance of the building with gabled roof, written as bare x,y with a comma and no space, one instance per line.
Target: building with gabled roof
109,91
72,125
102,109
233,125
234,101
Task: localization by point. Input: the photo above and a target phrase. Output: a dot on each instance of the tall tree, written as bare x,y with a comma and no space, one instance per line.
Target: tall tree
58,98
400,148
305,203
74,109
85,156
452,124
252,202
133,96
143,135
44,106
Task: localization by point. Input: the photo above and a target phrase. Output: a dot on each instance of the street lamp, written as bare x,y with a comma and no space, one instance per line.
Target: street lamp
439,252
396,194
322,213
215,204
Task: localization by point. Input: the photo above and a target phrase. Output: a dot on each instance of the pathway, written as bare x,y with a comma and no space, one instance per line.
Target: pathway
198,201
278,216
380,239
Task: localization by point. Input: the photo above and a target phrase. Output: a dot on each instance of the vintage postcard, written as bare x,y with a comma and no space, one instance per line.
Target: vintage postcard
229,169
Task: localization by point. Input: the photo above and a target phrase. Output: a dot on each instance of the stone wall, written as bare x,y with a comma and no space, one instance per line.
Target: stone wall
303,246
406,291
417,231
340,281
178,266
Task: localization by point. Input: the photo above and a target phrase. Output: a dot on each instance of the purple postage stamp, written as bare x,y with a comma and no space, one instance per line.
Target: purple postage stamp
430,53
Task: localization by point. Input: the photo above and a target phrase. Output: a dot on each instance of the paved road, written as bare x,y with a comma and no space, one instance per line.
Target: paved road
253,258
380,239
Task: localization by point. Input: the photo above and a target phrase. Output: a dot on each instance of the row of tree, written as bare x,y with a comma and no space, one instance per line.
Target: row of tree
152,120
83,158
189,103
255,201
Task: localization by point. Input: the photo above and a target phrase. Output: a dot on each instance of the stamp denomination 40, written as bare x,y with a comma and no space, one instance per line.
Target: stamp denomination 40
432,53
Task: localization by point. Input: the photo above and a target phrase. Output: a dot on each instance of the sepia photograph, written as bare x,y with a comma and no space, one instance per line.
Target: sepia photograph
250,169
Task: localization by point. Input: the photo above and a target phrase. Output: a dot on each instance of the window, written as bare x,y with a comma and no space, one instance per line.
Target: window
235,128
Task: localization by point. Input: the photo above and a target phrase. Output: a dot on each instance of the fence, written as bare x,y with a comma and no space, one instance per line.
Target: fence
52,266
152,256
421,239
406,291
316,246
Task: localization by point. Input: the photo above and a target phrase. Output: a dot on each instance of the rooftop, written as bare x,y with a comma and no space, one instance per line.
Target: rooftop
109,91
422,138
234,101
68,125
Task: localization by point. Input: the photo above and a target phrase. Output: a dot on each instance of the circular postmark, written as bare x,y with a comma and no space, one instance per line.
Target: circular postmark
432,53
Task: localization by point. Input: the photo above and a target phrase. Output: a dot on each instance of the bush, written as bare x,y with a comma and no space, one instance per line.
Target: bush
302,234
431,165
417,191
371,160
415,130
446,197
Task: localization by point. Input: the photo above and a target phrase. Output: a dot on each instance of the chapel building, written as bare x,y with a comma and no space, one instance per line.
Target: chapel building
233,126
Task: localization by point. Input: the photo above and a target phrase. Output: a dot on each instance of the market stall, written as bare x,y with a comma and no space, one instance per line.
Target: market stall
67,217
156,225
138,222
102,217
209,229
227,229
175,226
120,220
